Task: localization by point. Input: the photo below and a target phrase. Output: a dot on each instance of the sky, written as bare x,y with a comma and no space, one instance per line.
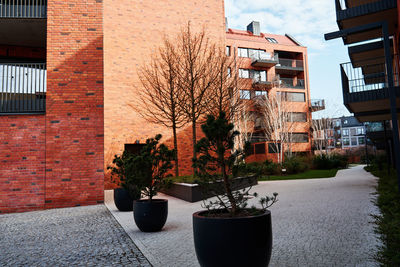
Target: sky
307,21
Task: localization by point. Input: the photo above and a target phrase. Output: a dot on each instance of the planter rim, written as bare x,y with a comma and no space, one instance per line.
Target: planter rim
157,200
198,215
236,178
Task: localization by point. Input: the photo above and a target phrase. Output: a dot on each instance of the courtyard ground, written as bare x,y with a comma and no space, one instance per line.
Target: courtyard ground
316,222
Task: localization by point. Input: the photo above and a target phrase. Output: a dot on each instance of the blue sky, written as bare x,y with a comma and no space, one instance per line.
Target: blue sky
307,21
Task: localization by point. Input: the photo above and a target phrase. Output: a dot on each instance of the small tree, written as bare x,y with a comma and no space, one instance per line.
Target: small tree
321,128
159,101
277,123
215,163
146,171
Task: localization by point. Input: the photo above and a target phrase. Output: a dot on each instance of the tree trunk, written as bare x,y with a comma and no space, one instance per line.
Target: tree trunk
176,149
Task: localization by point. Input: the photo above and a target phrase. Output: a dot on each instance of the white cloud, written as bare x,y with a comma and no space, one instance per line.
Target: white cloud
306,20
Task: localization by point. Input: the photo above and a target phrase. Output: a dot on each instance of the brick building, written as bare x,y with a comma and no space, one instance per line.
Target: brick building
274,64
69,77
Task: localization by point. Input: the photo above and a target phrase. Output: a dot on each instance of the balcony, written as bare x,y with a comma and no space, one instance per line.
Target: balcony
317,105
262,83
27,9
354,13
22,88
292,83
365,89
289,66
264,60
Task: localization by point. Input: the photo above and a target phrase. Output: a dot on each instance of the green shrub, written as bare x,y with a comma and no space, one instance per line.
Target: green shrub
333,161
294,165
258,168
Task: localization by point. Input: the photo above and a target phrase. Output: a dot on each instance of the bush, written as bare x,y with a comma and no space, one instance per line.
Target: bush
333,161
295,165
258,168
388,221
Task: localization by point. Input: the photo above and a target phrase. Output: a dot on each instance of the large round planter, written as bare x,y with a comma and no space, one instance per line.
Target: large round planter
242,241
150,216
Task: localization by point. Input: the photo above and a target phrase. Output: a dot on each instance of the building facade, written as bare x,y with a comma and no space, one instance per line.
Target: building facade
274,65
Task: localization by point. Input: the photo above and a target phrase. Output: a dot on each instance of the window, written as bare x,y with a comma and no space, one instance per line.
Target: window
337,123
361,140
259,75
292,97
274,148
243,52
244,94
345,122
353,131
354,141
345,132
360,131
228,51
346,141
243,73
261,93
297,117
259,148
249,150
299,137
229,72
271,40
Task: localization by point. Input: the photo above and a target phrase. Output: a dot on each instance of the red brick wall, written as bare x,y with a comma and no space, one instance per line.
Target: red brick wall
74,112
22,162
133,29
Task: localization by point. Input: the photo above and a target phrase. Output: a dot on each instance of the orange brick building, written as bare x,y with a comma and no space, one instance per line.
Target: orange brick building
274,64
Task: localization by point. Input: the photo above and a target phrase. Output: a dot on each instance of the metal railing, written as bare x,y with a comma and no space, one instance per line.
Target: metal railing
22,87
317,104
265,56
23,8
291,63
345,4
292,83
367,75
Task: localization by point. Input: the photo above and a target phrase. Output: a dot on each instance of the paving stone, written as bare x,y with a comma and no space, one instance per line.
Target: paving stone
80,236
316,222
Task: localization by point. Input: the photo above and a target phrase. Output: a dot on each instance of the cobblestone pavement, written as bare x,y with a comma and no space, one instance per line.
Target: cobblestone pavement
316,222
80,236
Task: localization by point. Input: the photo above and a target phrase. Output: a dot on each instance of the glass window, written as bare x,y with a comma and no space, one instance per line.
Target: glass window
354,141
243,73
299,137
345,132
337,123
274,148
228,51
259,75
261,93
292,97
244,94
361,140
353,131
229,72
360,130
297,117
243,52
346,141
271,40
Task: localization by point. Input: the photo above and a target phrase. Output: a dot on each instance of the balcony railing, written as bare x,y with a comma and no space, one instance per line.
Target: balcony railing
366,75
23,8
345,4
290,63
22,87
264,59
317,104
292,83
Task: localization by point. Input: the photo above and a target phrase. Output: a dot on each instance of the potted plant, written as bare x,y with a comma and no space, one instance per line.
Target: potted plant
149,168
228,233
126,192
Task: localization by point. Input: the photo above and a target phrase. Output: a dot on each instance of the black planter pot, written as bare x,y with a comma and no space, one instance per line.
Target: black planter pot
243,241
123,200
150,216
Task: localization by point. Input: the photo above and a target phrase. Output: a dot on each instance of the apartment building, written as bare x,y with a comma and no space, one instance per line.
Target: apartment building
272,65
339,133
370,80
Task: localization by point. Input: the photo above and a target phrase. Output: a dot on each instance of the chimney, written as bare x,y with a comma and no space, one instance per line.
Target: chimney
254,27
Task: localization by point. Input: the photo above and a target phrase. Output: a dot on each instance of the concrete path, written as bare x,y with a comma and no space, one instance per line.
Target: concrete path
317,222
80,236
